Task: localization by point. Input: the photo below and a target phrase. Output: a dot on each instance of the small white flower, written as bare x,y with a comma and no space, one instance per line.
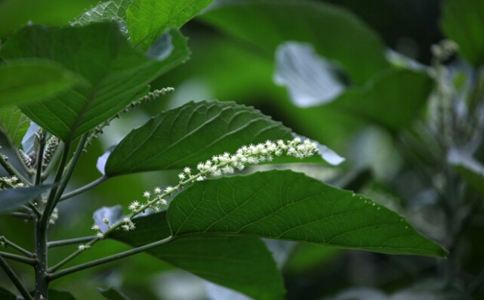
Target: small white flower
147,194
187,170
181,176
157,190
96,228
83,247
106,221
100,235
133,206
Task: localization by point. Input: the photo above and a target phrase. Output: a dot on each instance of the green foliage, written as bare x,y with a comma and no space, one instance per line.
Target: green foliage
189,134
463,23
16,13
32,79
273,22
13,124
114,74
149,19
291,206
62,86
241,263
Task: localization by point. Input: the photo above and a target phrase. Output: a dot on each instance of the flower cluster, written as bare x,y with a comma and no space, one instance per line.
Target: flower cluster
220,165
10,182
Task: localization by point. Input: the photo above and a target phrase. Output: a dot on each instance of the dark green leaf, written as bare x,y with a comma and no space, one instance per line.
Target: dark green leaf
11,199
335,33
469,169
16,13
240,263
6,295
24,80
14,124
149,19
114,73
463,23
392,99
113,294
292,206
192,133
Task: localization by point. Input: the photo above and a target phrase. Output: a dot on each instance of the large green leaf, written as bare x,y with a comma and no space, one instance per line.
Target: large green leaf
11,199
469,169
240,263
17,13
292,206
24,80
391,99
335,33
462,22
114,73
149,19
192,133
14,124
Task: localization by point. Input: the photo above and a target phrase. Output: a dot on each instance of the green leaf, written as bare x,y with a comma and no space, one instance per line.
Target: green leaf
240,263
335,33
26,80
189,134
11,199
149,19
114,73
291,206
392,99
463,23
17,13
113,294
14,124
6,295
469,169
114,10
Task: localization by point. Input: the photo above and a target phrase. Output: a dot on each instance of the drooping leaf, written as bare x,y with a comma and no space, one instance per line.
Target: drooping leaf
335,33
392,99
192,133
463,23
114,10
469,169
14,124
291,206
149,19
24,80
113,294
115,74
240,263
16,13
11,199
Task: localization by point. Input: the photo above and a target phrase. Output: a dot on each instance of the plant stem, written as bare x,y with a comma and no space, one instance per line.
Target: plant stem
18,258
12,171
38,160
15,280
60,243
41,280
70,168
83,188
16,247
108,259
58,176
52,162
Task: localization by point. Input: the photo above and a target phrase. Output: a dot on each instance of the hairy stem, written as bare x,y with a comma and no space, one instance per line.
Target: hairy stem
15,280
108,259
83,188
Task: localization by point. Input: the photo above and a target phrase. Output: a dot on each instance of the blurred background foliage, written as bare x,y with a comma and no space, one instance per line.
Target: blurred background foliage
373,56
